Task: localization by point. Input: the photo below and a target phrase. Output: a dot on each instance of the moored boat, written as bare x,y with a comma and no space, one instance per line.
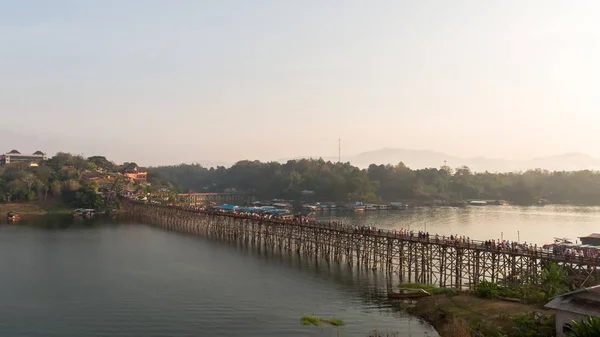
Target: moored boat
356,207
12,216
84,212
398,206
371,207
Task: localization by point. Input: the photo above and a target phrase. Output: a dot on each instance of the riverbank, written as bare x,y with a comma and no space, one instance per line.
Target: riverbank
35,208
465,315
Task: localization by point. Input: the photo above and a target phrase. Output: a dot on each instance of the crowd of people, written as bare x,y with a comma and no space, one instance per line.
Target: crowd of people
556,250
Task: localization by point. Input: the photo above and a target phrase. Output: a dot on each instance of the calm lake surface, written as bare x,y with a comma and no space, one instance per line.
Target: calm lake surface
65,278
532,224
102,277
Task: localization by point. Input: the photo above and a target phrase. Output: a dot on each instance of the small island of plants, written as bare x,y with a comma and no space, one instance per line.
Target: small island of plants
318,321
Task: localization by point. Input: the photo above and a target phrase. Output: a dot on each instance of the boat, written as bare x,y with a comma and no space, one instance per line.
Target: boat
398,206
407,293
356,207
12,216
83,212
371,207
311,208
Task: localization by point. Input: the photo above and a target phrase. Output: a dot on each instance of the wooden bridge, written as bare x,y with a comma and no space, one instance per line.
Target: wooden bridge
218,198
407,258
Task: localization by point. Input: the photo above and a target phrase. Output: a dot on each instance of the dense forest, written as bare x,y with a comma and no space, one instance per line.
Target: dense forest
69,179
343,182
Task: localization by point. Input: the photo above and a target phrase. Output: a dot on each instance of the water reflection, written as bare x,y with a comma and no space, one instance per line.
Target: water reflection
531,224
120,279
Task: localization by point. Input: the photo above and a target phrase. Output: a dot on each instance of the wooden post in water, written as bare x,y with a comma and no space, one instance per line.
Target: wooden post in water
444,263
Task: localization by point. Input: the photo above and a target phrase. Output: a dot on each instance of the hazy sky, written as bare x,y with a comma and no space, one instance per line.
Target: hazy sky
169,81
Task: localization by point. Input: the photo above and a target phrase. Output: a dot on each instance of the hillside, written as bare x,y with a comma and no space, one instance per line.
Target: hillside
418,159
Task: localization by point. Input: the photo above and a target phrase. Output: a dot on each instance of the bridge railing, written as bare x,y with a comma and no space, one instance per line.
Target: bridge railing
349,229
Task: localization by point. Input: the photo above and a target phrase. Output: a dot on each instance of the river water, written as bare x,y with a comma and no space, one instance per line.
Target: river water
531,224
102,277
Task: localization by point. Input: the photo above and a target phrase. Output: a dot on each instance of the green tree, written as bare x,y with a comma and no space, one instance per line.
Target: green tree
45,177
87,197
554,280
102,162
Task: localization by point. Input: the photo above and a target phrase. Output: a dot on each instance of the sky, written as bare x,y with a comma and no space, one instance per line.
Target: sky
164,82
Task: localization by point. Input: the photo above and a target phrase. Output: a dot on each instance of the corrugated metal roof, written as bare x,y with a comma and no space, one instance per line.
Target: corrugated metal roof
570,302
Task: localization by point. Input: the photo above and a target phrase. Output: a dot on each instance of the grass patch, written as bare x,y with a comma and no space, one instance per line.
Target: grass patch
318,321
430,288
469,315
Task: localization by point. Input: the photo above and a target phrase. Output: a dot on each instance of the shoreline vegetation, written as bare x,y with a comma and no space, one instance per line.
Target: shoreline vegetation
466,314
35,208
514,310
66,182
459,314
93,182
341,182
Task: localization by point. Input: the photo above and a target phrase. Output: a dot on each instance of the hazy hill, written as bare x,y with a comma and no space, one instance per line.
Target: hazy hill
29,143
423,158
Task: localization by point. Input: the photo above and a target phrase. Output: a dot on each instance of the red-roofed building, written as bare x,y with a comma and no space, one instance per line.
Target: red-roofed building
136,174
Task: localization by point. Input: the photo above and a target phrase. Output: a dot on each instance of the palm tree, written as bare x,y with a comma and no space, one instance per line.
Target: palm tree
587,328
554,279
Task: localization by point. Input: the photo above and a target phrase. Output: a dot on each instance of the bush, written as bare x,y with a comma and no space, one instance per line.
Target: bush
487,289
510,293
318,321
533,325
587,328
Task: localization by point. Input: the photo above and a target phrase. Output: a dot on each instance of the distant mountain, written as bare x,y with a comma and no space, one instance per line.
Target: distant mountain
26,142
418,159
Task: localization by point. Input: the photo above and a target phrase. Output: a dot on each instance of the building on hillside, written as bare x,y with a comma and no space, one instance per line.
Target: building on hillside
575,306
592,239
92,176
136,174
16,156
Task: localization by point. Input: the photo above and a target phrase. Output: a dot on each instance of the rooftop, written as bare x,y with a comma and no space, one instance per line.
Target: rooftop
17,153
585,301
592,236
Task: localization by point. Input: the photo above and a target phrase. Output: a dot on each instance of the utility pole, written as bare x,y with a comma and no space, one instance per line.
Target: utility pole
339,150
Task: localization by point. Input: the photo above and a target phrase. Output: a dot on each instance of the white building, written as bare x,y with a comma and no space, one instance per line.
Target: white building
16,156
